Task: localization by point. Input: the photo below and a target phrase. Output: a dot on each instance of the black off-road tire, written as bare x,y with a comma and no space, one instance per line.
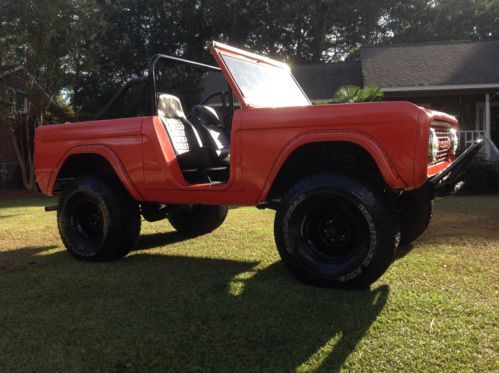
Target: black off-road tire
97,219
197,219
415,213
336,231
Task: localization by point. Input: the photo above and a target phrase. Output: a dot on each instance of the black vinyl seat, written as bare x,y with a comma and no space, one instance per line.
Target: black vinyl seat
187,143
209,127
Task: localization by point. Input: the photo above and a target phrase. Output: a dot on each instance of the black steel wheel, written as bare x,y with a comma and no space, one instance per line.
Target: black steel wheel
97,219
333,230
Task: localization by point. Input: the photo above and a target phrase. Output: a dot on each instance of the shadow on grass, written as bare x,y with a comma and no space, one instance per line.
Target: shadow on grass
403,250
154,240
164,313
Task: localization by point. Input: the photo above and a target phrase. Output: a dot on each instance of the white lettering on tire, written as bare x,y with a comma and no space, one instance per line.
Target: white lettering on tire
285,223
372,246
372,235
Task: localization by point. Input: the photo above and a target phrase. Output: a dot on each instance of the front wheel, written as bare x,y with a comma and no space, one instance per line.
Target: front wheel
333,230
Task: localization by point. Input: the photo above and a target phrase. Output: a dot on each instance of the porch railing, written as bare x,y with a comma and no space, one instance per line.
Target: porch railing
468,137
488,152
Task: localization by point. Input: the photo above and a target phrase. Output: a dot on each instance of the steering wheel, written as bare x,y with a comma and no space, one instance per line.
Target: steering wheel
225,105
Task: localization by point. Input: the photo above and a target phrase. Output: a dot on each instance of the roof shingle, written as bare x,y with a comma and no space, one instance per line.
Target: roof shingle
322,80
430,64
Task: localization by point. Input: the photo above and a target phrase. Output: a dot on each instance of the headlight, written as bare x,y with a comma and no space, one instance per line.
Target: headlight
433,146
454,140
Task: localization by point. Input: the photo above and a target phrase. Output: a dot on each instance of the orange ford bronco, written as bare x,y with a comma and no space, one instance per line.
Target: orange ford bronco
349,182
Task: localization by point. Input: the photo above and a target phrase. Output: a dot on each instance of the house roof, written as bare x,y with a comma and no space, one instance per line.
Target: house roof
322,80
431,64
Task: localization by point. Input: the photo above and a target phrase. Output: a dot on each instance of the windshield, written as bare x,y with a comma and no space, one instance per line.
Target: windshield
265,85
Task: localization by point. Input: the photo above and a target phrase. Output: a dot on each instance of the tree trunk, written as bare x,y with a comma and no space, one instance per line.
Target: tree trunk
24,159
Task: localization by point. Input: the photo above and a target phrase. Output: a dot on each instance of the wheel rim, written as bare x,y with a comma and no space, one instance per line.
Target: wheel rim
333,234
86,225
87,220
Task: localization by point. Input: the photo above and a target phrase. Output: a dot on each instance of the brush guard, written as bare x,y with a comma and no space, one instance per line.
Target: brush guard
449,181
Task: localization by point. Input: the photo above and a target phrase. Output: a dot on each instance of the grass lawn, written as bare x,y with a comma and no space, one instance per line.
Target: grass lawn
224,302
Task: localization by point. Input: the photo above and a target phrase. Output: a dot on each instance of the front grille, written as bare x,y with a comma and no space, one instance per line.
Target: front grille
443,133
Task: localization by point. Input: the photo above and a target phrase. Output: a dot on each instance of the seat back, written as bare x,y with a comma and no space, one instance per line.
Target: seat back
187,144
183,135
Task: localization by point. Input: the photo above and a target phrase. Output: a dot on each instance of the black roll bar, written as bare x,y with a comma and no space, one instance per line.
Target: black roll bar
151,71
110,104
151,78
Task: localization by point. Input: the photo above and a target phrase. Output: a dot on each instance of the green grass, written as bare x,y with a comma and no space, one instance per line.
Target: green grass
224,302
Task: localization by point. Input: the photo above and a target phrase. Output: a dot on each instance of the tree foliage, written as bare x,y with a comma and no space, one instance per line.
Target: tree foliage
34,34
442,20
90,47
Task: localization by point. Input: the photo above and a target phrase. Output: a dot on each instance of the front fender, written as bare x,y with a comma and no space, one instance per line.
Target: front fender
360,138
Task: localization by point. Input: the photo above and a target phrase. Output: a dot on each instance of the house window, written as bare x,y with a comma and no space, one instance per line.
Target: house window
17,101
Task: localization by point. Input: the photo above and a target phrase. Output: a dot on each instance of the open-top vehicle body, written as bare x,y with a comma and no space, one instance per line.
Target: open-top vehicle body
348,181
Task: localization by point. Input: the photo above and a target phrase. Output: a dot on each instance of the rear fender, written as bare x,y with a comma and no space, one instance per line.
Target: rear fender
108,155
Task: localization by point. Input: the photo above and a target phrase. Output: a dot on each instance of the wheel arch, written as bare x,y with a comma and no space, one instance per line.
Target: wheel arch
98,159
306,153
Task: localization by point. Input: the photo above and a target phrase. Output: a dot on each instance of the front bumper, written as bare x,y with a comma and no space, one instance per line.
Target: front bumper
446,182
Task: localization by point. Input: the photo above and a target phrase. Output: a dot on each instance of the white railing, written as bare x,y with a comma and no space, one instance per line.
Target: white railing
489,150
468,137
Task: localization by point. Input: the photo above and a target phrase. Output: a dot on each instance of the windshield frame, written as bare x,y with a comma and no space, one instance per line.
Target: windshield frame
220,50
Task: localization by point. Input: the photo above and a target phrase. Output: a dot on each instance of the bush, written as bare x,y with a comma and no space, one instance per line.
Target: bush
352,93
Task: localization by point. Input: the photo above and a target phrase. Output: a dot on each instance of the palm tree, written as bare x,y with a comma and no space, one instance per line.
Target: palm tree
352,93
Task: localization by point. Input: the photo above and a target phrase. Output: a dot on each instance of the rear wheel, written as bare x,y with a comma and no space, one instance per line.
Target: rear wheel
333,230
198,219
97,219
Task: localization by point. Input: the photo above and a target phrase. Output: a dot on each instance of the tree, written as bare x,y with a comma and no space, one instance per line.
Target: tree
38,108
299,31
442,20
35,36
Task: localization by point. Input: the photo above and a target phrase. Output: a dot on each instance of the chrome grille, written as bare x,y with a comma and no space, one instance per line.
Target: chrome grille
442,131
